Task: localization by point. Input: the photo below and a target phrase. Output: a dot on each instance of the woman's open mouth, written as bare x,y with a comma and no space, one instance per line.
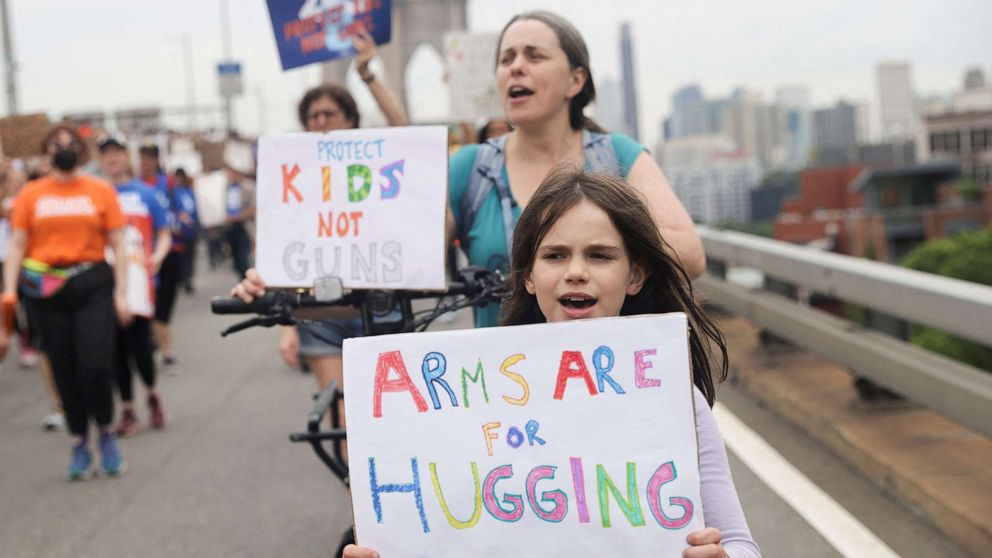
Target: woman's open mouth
519,93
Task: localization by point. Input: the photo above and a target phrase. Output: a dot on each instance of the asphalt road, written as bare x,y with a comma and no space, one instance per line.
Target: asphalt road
223,479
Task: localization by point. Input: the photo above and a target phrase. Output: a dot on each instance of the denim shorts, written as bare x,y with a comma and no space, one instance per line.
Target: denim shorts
335,330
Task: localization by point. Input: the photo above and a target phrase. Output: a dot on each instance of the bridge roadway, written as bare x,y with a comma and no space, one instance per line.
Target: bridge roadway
223,479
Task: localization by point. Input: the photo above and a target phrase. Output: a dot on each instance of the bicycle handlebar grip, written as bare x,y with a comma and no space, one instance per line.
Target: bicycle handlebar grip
231,305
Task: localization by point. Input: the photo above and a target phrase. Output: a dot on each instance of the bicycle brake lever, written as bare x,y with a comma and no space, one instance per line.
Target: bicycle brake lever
234,328
263,321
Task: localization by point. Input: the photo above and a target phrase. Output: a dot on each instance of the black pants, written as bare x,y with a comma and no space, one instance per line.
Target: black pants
169,276
215,246
78,332
237,237
189,261
135,342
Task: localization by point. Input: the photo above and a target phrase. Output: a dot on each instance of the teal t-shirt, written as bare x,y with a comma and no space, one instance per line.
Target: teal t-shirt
486,243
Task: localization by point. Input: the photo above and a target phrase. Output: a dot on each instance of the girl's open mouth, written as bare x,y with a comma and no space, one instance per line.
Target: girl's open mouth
577,302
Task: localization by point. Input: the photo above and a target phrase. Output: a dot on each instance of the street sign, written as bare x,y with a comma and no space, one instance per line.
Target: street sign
229,79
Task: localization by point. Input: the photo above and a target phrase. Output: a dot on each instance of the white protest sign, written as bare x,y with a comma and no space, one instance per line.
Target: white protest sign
365,205
471,64
210,190
140,290
566,439
238,155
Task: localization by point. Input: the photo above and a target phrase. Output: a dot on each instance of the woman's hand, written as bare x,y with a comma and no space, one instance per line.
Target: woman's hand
250,287
704,543
353,551
289,346
120,306
365,45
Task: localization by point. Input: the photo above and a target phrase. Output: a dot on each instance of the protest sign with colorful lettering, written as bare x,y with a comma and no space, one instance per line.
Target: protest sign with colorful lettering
366,205
566,439
309,31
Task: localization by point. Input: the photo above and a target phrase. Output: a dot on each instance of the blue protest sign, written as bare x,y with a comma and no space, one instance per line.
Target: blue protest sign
309,31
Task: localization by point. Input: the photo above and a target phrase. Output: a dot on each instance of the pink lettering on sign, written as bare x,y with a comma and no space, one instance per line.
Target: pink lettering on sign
664,475
641,366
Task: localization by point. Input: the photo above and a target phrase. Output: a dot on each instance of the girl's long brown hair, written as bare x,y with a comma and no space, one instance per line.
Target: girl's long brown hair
667,287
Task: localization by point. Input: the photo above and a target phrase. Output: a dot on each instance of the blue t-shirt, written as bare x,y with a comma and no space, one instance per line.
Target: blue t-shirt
160,183
184,202
234,199
145,205
486,242
146,212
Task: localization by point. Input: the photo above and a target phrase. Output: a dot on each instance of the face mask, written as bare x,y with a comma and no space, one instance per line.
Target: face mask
65,159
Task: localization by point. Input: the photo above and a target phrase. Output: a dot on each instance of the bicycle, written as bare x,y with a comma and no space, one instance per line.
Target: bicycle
383,312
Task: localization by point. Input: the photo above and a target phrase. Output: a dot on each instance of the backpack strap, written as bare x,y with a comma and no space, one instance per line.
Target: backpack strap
599,153
487,172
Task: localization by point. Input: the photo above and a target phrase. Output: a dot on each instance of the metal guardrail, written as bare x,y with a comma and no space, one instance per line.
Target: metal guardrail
959,307
957,390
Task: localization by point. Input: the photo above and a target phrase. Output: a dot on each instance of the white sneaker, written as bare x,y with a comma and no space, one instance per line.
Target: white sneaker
54,421
29,358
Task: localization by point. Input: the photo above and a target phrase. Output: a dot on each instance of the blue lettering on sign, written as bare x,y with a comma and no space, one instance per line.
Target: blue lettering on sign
349,150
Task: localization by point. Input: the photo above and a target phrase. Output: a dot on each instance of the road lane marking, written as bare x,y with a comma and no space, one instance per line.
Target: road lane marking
834,523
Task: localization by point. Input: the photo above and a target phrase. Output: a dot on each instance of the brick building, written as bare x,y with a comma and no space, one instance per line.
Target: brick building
880,214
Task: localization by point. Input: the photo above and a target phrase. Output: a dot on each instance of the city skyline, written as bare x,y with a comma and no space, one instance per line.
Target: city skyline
720,47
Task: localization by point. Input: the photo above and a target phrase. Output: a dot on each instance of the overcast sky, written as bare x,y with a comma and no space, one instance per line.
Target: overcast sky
80,55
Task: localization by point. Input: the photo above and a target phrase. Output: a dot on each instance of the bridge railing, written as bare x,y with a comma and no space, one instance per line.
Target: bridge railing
961,308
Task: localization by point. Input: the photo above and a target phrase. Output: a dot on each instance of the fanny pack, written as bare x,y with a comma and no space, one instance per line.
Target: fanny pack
40,280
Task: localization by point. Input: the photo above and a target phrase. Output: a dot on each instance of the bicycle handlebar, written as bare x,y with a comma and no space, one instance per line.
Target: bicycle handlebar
474,281
383,312
275,299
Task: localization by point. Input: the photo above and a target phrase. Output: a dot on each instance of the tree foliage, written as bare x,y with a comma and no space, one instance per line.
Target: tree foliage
966,256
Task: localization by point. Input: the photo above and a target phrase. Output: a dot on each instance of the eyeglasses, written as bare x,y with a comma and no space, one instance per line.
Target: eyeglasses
327,114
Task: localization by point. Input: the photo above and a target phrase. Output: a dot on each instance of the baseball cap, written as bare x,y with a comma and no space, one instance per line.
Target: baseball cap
149,149
107,141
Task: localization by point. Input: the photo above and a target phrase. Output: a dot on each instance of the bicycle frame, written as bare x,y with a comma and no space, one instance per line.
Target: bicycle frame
383,312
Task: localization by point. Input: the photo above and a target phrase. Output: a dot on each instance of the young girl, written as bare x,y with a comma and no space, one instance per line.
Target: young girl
586,247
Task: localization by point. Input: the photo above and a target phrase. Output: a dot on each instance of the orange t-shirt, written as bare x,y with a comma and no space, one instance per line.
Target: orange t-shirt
67,222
